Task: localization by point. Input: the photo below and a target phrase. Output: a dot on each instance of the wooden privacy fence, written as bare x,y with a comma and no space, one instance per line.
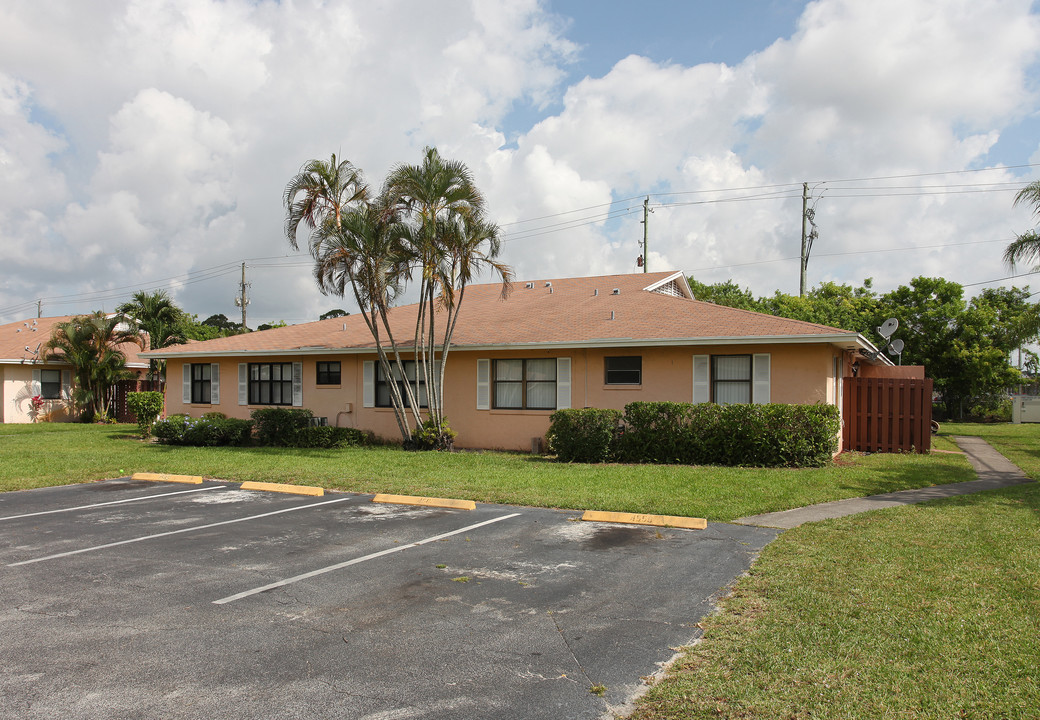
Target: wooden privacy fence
887,414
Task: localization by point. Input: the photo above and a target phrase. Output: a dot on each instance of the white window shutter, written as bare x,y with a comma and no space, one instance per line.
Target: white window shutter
760,379
37,384
297,384
186,383
483,384
243,383
66,385
214,384
563,383
701,379
368,383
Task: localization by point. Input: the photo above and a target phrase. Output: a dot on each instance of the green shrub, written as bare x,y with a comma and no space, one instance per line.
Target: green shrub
584,435
278,426
327,436
146,407
429,436
705,434
203,432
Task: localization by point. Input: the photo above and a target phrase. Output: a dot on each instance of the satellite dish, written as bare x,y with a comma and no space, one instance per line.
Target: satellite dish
888,327
896,348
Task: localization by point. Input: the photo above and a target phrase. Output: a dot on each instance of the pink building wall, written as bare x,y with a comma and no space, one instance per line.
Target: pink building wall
799,373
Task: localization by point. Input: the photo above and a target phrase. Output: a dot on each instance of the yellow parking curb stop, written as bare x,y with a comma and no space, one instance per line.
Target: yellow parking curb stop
638,519
283,488
163,477
427,501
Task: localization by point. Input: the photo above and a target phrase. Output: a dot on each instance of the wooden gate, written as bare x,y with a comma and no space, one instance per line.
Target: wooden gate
887,414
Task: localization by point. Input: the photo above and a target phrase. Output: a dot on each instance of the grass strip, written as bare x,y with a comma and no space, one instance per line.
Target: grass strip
55,454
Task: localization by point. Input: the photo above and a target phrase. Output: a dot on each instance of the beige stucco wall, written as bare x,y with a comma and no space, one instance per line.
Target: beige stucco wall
799,374
16,382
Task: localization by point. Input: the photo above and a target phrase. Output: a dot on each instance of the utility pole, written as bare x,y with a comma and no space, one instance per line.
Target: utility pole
808,221
804,257
646,224
243,299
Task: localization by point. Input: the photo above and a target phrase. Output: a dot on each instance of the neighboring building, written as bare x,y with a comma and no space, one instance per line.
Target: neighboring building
576,342
24,373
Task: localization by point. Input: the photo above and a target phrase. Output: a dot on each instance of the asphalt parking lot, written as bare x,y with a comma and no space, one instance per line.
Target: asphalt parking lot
128,599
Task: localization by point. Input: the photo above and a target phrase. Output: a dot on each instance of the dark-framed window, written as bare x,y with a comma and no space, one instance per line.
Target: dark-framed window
383,385
524,384
731,379
270,383
623,370
50,384
200,383
328,372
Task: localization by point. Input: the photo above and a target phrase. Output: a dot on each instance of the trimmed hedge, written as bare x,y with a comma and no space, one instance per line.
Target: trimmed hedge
588,435
285,427
184,430
771,435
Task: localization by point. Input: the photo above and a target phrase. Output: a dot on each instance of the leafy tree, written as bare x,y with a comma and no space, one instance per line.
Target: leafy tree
156,314
90,343
225,326
336,313
725,293
1025,247
272,326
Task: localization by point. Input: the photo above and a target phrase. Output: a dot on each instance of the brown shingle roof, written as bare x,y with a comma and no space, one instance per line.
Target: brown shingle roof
567,311
34,334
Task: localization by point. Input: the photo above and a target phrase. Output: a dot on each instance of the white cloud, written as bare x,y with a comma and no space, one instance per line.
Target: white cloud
147,139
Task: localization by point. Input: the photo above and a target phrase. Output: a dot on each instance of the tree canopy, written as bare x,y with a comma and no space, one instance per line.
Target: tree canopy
965,345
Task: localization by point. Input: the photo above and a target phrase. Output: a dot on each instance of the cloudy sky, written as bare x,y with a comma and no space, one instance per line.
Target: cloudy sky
145,144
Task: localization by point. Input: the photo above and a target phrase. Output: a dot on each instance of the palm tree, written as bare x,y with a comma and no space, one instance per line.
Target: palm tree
451,242
318,195
90,343
156,314
1026,247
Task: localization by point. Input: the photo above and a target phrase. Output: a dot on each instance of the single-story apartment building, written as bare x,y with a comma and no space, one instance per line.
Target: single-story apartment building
25,372
549,344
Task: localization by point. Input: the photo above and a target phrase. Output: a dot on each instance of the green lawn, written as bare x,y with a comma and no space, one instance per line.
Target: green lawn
52,454
927,611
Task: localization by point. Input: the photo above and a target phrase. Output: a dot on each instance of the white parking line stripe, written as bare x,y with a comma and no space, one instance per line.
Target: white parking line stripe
355,561
175,532
114,502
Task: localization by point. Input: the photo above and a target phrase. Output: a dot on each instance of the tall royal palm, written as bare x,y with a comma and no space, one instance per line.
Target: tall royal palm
1026,247
318,196
450,240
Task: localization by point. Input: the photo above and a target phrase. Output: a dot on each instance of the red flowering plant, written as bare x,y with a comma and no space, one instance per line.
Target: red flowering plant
37,403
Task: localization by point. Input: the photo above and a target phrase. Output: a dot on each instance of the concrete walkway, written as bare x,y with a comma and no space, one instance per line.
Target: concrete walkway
994,471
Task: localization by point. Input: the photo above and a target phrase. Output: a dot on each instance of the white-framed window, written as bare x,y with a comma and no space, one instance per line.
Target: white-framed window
50,384
730,379
524,384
